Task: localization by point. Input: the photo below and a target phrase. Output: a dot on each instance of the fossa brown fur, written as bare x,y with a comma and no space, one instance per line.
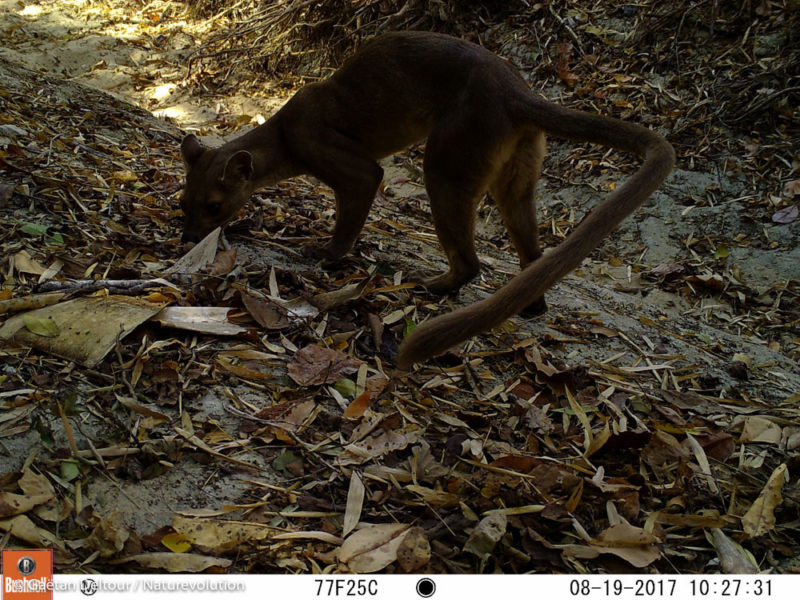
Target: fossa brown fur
485,132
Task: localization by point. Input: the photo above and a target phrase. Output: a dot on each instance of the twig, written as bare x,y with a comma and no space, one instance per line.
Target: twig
563,23
129,286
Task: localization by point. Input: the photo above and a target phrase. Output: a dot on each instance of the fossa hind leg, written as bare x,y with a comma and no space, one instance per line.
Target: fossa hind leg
456,178
514,192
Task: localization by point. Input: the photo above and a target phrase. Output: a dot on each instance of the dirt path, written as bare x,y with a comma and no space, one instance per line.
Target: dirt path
135,51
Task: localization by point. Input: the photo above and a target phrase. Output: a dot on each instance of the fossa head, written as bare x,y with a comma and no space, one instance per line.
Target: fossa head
219,183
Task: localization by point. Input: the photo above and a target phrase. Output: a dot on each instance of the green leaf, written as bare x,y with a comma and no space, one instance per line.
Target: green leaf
34,229
409,327
284,459
384,269
71,405
70,470
46,327
38,230
42,427
722,251
346,387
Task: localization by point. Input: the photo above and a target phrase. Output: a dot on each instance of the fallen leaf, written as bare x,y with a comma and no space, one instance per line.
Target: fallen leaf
733,559
24,263
486,534
177,542
88,328
314,365
760,430
345,386
110,536
328,300
662,449
564,50
632,544
198,257
414,551
667,270
786,215
223,263
434,497
375,446
356,409
15,504
25,530
43,326
175,563
521,464
216,536
141,409
792,188
372,548
269,315
124,176
355,503
212,320
242,371
760,518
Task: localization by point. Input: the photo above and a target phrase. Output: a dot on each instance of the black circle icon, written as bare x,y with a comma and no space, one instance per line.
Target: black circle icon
26,566
89,587
426,587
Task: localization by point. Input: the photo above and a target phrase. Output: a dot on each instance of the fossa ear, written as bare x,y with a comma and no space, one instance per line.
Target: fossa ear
238,169
191,149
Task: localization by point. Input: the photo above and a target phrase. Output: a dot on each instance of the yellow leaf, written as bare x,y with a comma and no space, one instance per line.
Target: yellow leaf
124,176
46,327
177,542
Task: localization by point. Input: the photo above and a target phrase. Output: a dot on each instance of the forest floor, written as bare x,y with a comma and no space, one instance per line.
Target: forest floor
639,425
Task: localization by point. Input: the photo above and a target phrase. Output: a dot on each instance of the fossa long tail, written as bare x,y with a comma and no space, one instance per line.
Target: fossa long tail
437,335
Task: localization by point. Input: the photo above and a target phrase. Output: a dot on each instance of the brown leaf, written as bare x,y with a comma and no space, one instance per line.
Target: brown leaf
223,263
414,551
720,445
15,504
267,314
521,464
632,544
242,371
760,519
552,477
732,557
663,448
486,534
760,430
372,548
667,270
176,563
314,365
357,407
792,188
562,64
355,503
215,536
377,445
329,300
